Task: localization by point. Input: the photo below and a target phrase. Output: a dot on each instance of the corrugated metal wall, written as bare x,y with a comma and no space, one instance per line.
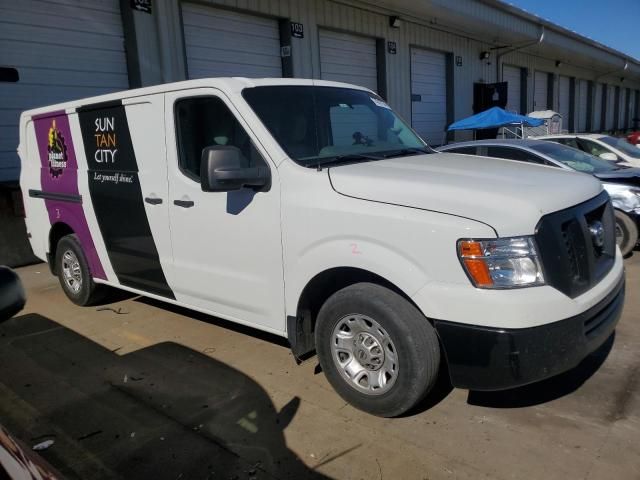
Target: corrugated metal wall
372,20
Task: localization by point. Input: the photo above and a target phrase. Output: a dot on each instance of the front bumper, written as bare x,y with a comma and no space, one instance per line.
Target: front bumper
486,358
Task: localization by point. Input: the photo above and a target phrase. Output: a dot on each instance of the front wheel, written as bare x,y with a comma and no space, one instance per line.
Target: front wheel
626,232
377,349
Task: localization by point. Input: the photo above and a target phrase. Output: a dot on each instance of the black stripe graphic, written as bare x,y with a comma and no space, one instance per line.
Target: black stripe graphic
117,198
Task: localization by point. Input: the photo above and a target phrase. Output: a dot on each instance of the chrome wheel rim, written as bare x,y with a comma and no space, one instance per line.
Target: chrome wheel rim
71,272
364,354
619,234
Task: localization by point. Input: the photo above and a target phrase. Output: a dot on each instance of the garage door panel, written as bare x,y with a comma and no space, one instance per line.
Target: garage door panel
64,50
224,43
511,75
32,59
597,108
231,42
64,7
356,70
426,80
564,100
202,26
239,57
610,108
203,69
429,84
48,36
364,61
582,105
24,97
540,90
348,58
42,14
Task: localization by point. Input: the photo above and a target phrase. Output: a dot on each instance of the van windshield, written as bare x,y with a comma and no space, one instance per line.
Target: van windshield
327,125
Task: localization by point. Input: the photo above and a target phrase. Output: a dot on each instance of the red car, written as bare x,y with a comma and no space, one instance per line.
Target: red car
634,138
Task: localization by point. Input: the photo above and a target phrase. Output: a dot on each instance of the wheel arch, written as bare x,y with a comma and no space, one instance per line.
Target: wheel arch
57,231
301,327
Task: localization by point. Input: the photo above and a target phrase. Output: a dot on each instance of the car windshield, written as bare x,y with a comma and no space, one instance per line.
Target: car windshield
623,145
574,158
327,125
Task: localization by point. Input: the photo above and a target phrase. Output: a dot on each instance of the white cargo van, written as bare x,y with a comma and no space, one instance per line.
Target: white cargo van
309,209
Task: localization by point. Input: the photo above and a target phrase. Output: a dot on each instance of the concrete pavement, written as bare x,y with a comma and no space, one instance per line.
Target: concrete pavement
141,389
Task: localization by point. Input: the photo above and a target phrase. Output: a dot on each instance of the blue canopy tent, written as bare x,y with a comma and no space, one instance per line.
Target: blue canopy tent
495,117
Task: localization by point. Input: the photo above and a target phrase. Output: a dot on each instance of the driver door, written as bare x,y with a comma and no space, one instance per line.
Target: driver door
227,249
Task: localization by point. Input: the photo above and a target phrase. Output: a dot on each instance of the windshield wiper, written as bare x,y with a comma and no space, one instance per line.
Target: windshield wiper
406,151
351,157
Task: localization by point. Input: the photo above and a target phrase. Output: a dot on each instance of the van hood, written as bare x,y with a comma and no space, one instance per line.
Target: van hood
507,195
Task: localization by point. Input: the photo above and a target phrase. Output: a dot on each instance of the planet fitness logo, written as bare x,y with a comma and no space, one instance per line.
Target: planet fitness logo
57,151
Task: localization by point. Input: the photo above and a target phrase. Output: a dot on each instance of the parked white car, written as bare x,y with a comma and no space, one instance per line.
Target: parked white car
613,149
310,210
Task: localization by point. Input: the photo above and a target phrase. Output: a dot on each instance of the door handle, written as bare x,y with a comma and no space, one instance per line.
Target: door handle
184,203
153,200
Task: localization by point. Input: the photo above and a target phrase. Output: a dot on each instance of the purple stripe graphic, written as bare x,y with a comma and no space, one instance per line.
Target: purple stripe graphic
59,174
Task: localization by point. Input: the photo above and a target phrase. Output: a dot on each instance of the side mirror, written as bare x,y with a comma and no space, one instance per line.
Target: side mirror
223,168
612,157
12,296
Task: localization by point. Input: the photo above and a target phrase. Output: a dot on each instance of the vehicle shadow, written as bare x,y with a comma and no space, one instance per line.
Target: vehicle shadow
546,390
162,412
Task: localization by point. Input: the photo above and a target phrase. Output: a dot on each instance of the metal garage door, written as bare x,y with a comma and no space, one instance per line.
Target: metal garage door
78,52
582,105
597,108
540,88
348,58
564,101
429,94
511,75
610,107
222,43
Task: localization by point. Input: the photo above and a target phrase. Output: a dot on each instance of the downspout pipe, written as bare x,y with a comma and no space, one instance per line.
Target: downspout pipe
515,49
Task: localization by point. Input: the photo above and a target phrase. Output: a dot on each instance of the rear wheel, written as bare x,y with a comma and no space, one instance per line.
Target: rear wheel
377,350
73,272
626,232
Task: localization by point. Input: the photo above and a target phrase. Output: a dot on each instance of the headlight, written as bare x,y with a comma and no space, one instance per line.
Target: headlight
501,262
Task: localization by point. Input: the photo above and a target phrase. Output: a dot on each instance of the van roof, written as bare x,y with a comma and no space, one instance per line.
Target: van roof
226,84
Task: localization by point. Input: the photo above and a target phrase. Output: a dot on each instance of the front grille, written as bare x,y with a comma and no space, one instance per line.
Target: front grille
572,258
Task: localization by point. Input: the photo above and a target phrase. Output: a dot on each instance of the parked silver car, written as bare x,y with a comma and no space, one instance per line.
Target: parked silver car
622,183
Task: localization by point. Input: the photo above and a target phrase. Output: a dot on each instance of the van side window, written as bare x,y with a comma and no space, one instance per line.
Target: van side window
206,121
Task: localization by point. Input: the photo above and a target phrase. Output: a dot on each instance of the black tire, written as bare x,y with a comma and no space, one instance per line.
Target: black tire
413,339
88,292
628,232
